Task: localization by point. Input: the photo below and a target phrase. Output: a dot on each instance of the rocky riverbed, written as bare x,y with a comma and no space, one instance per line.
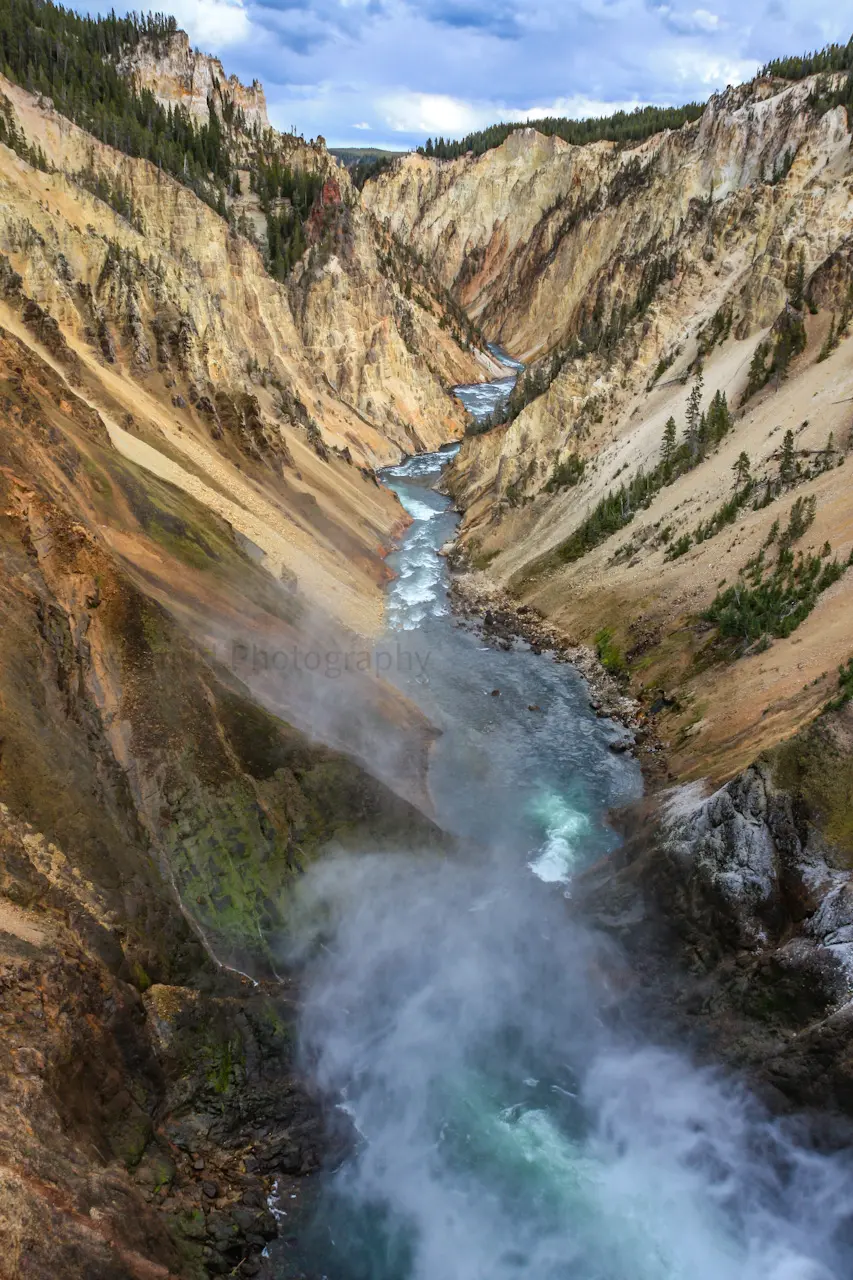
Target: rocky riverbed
501,621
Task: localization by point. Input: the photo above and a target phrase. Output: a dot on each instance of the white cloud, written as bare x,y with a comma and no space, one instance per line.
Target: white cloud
430,113
442,115
578,107
419,68
696,22
696,67
704,20
361,125
213,25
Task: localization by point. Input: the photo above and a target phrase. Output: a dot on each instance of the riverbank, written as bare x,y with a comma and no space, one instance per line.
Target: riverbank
732,910
499,620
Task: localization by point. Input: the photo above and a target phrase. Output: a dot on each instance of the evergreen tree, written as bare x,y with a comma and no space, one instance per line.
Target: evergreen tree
831,341
790,341
758,372
695,419
622,127
798,284
834,57
73,59
286,196
667,452
741,469
719,417
787,461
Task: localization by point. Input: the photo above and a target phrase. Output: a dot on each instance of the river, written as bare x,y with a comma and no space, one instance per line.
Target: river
510,1127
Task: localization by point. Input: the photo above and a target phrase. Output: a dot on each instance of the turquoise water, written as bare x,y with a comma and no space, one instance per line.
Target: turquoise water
509,1128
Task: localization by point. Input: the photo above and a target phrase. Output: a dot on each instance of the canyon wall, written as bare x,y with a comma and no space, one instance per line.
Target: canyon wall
189,506
628,271
179,75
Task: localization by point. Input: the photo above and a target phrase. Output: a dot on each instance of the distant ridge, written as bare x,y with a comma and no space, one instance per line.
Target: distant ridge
643,122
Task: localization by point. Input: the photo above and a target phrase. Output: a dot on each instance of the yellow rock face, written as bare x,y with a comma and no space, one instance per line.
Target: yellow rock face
264,401
635,267
179,75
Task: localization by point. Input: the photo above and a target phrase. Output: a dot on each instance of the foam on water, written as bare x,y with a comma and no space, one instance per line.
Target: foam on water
421,510
566,825
482,398
422,464
416,592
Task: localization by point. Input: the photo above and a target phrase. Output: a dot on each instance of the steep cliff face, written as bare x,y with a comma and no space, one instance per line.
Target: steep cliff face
737,908
189,512
543,240
155,814
179,75
259,398
634,269
199,291
148,628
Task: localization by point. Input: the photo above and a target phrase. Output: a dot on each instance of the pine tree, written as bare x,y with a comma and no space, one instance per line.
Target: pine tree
758,373
73,60
694,419
831,341
786,459
719,417
798,285
667,452
741,469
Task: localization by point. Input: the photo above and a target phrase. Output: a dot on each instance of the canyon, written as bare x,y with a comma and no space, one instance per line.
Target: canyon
187,454
627,271
196,498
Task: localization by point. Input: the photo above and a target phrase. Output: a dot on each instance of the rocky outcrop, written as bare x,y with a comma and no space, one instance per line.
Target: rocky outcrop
750,890
143,1128
180,76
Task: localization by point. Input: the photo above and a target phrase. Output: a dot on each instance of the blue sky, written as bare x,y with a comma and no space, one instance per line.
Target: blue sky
390,72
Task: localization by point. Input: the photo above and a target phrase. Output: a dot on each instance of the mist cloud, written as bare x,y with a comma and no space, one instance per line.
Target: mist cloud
513,1128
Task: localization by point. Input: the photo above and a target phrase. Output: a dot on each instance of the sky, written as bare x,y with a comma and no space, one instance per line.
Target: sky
390,73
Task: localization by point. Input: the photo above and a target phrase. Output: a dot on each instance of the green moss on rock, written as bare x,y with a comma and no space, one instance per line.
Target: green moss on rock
816,767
